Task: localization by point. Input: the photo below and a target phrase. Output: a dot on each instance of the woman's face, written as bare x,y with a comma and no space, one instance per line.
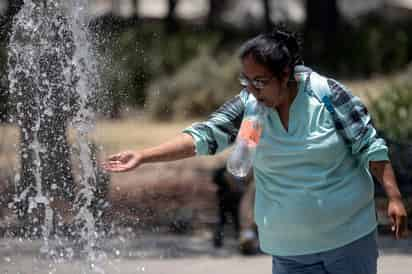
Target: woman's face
266,87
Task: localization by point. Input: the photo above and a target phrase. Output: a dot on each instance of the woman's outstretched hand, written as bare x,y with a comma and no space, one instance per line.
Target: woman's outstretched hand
123,161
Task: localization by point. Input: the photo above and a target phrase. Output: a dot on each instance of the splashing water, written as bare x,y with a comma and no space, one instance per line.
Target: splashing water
53,82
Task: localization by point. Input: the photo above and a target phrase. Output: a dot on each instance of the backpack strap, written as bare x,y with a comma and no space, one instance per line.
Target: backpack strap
320,88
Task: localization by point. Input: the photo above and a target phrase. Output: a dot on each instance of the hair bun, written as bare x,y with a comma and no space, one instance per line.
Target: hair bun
291,40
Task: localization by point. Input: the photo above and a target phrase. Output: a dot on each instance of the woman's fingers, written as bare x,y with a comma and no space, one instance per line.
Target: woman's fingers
397,226
117,157
115,166
400,226
399,218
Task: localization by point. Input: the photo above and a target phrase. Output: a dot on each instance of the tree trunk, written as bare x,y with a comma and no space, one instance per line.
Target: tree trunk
171,20
135,5
268,11
216,8
322,27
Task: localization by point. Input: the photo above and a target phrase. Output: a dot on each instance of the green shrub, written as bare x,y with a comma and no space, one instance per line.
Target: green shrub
363,47
196,90
376,54
143,53
392,112
137,55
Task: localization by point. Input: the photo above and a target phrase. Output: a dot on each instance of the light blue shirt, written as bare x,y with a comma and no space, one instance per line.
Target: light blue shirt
313,192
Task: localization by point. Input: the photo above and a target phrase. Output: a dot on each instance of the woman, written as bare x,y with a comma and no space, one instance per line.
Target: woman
314,204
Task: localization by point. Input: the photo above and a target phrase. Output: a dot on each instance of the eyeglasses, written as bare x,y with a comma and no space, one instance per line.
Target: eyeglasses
255,83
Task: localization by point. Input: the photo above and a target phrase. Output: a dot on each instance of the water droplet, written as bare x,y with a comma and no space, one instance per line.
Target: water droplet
49,112
19,106
17,178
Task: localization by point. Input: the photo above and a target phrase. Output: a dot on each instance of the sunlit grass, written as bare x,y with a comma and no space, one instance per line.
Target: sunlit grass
133,133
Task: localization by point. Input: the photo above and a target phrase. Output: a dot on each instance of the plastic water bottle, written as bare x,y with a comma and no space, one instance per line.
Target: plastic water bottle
240,160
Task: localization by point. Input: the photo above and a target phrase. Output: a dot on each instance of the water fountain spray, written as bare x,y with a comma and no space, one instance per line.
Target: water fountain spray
53,83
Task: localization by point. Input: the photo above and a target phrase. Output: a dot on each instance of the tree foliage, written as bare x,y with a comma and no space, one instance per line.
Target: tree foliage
392,112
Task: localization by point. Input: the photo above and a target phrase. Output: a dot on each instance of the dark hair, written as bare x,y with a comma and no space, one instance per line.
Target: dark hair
275,50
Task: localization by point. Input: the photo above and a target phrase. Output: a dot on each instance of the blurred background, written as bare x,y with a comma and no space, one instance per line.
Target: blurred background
171,48
167,63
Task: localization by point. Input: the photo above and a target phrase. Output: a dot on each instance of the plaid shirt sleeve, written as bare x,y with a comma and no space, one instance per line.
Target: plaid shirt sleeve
220,129
354,124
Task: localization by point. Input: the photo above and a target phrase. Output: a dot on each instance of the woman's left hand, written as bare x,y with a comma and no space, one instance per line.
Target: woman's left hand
398,216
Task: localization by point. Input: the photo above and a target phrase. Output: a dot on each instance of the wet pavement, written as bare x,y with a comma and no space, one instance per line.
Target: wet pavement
159,253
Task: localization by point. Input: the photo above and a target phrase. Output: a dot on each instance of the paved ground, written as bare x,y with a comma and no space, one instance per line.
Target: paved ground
156,253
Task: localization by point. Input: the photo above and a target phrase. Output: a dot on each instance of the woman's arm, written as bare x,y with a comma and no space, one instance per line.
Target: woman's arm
383,172
354,124
205,138
177,148
221,128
